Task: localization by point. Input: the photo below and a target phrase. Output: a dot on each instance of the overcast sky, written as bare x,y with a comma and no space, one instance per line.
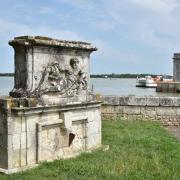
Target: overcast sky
133,36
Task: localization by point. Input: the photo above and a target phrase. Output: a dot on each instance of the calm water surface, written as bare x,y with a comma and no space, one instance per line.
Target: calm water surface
6,85
102,86
123,87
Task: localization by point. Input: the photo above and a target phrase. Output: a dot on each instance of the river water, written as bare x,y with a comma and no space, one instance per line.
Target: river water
101,86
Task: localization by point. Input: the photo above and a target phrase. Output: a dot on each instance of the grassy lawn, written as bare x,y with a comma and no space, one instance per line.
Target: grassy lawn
138,150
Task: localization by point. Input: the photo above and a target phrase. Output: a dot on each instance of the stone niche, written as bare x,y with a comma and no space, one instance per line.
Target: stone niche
51,112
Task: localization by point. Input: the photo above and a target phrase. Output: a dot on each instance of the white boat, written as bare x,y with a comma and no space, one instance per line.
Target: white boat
141,82
146,81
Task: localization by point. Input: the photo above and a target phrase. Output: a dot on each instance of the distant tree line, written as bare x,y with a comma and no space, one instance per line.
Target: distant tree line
113,75
6,74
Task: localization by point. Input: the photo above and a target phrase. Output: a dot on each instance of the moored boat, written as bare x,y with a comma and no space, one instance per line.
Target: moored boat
146,81
141,82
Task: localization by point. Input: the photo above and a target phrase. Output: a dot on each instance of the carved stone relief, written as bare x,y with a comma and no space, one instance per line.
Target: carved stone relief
68,81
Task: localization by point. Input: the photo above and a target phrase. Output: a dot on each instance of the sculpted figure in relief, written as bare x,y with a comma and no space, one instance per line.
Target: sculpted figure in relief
69,81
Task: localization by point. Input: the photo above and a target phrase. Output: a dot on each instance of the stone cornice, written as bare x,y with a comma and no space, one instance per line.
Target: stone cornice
45,41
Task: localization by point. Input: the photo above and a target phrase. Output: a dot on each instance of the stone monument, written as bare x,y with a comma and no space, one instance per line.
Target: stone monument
51,112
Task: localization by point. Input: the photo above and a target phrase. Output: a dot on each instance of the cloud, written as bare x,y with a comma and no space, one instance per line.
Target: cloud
125,31
94,13
153,23
159,6
10,29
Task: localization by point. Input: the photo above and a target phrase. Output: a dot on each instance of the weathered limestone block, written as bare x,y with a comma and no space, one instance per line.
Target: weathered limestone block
93,127
94,141
133,101
108,109
138,101
51,142
113,100
166,111
171,88
148,111
119,109
133,117
3,122
177,101
178,111
3,158
166,101
152,101
16,126
3,135
123,100
176,87
132,110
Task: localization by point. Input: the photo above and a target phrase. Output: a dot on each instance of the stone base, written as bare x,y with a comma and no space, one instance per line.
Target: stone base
31,135
168,87
20,169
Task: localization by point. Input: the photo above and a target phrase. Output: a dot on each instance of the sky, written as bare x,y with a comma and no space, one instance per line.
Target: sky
132,36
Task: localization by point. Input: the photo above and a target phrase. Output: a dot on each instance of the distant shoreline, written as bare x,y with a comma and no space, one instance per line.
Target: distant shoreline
113,75
6,74
132,76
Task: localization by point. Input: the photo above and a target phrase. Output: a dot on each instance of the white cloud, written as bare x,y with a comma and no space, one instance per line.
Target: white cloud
10,29
160,6
151,24
158,27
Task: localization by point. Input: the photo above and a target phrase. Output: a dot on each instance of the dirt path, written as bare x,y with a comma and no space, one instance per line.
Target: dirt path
174,130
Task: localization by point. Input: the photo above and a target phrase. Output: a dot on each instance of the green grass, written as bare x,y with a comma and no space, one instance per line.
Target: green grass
138,150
